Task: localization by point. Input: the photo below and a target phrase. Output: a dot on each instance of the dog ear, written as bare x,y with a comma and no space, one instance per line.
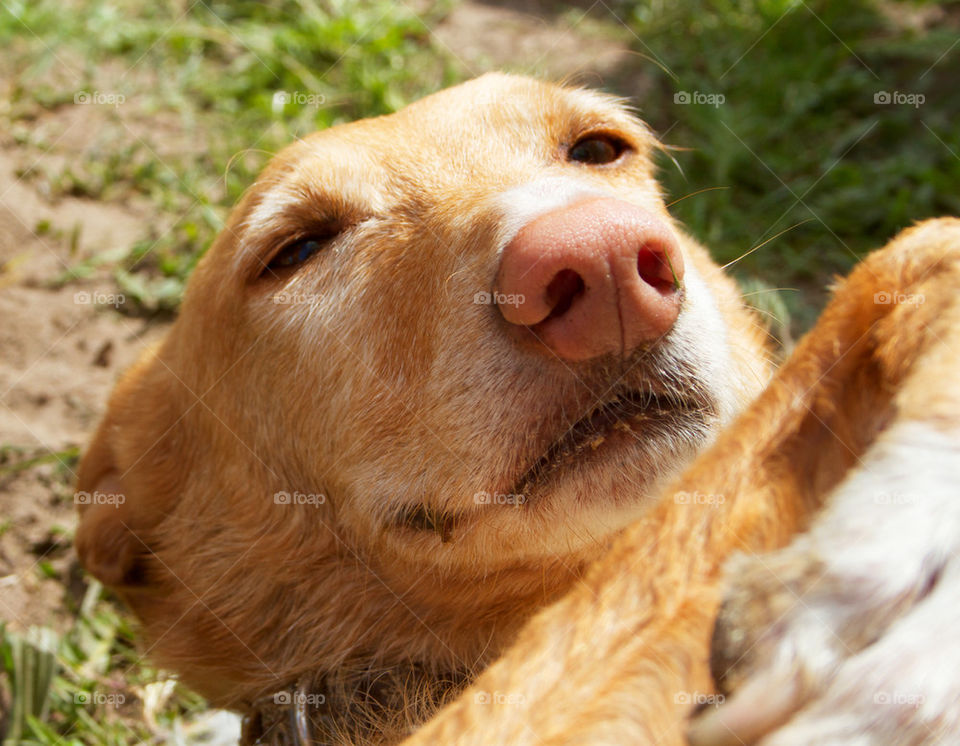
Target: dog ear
105,543
129,478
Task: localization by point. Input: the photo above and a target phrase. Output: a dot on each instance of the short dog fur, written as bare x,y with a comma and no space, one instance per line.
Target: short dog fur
351,467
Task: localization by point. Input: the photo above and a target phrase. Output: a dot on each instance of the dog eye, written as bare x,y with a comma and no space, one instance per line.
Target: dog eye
597,150
297,253
303,248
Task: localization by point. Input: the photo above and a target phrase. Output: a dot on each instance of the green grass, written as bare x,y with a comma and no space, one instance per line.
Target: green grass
14,459
89,685
799,140
798,144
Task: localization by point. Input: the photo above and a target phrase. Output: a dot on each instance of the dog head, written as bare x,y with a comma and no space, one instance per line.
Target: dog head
434,361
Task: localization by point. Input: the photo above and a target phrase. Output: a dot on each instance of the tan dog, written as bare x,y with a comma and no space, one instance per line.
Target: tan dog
434,364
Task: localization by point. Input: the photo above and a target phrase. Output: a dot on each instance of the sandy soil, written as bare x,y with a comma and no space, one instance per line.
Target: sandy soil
60,354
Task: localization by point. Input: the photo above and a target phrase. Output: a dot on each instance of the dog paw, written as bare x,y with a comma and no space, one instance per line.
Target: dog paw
848,634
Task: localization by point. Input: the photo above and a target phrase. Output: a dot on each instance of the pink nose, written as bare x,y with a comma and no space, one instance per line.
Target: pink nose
596,277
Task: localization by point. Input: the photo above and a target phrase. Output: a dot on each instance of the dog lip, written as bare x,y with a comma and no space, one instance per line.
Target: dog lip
618,412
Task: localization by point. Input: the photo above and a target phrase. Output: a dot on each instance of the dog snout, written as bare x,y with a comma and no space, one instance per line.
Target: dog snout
597,277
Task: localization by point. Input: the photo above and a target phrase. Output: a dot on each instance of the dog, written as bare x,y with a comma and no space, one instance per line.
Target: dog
422,406
817,585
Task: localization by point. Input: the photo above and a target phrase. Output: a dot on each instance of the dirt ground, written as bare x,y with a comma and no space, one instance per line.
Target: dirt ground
63,348
60,354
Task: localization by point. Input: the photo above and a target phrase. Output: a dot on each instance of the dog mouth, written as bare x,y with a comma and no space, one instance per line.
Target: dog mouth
628,420
629,415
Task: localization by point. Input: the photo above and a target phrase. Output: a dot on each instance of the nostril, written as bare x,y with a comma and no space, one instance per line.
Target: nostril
563,289
654,269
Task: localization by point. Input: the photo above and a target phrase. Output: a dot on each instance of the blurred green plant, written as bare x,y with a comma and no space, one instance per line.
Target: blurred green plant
14,459
802,135
30,662
88,685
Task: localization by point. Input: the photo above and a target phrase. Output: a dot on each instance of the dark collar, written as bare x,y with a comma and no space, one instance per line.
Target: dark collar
282,719
318,711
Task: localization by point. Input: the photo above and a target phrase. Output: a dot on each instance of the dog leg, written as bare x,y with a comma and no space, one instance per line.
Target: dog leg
851,624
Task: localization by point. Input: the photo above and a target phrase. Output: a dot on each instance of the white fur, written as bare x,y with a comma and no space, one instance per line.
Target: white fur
887,545
701,334
272,205
528,201
902,689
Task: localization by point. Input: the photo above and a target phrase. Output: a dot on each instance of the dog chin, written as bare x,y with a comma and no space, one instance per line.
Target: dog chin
574,503
587,482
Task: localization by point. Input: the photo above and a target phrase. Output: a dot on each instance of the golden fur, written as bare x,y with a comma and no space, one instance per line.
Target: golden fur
636,633
370,382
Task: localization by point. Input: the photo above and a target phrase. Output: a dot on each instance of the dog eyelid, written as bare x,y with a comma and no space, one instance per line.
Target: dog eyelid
598,148
301,249
296,253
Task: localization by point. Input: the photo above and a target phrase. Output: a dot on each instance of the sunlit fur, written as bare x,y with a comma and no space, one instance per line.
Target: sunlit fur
381,385
868,400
